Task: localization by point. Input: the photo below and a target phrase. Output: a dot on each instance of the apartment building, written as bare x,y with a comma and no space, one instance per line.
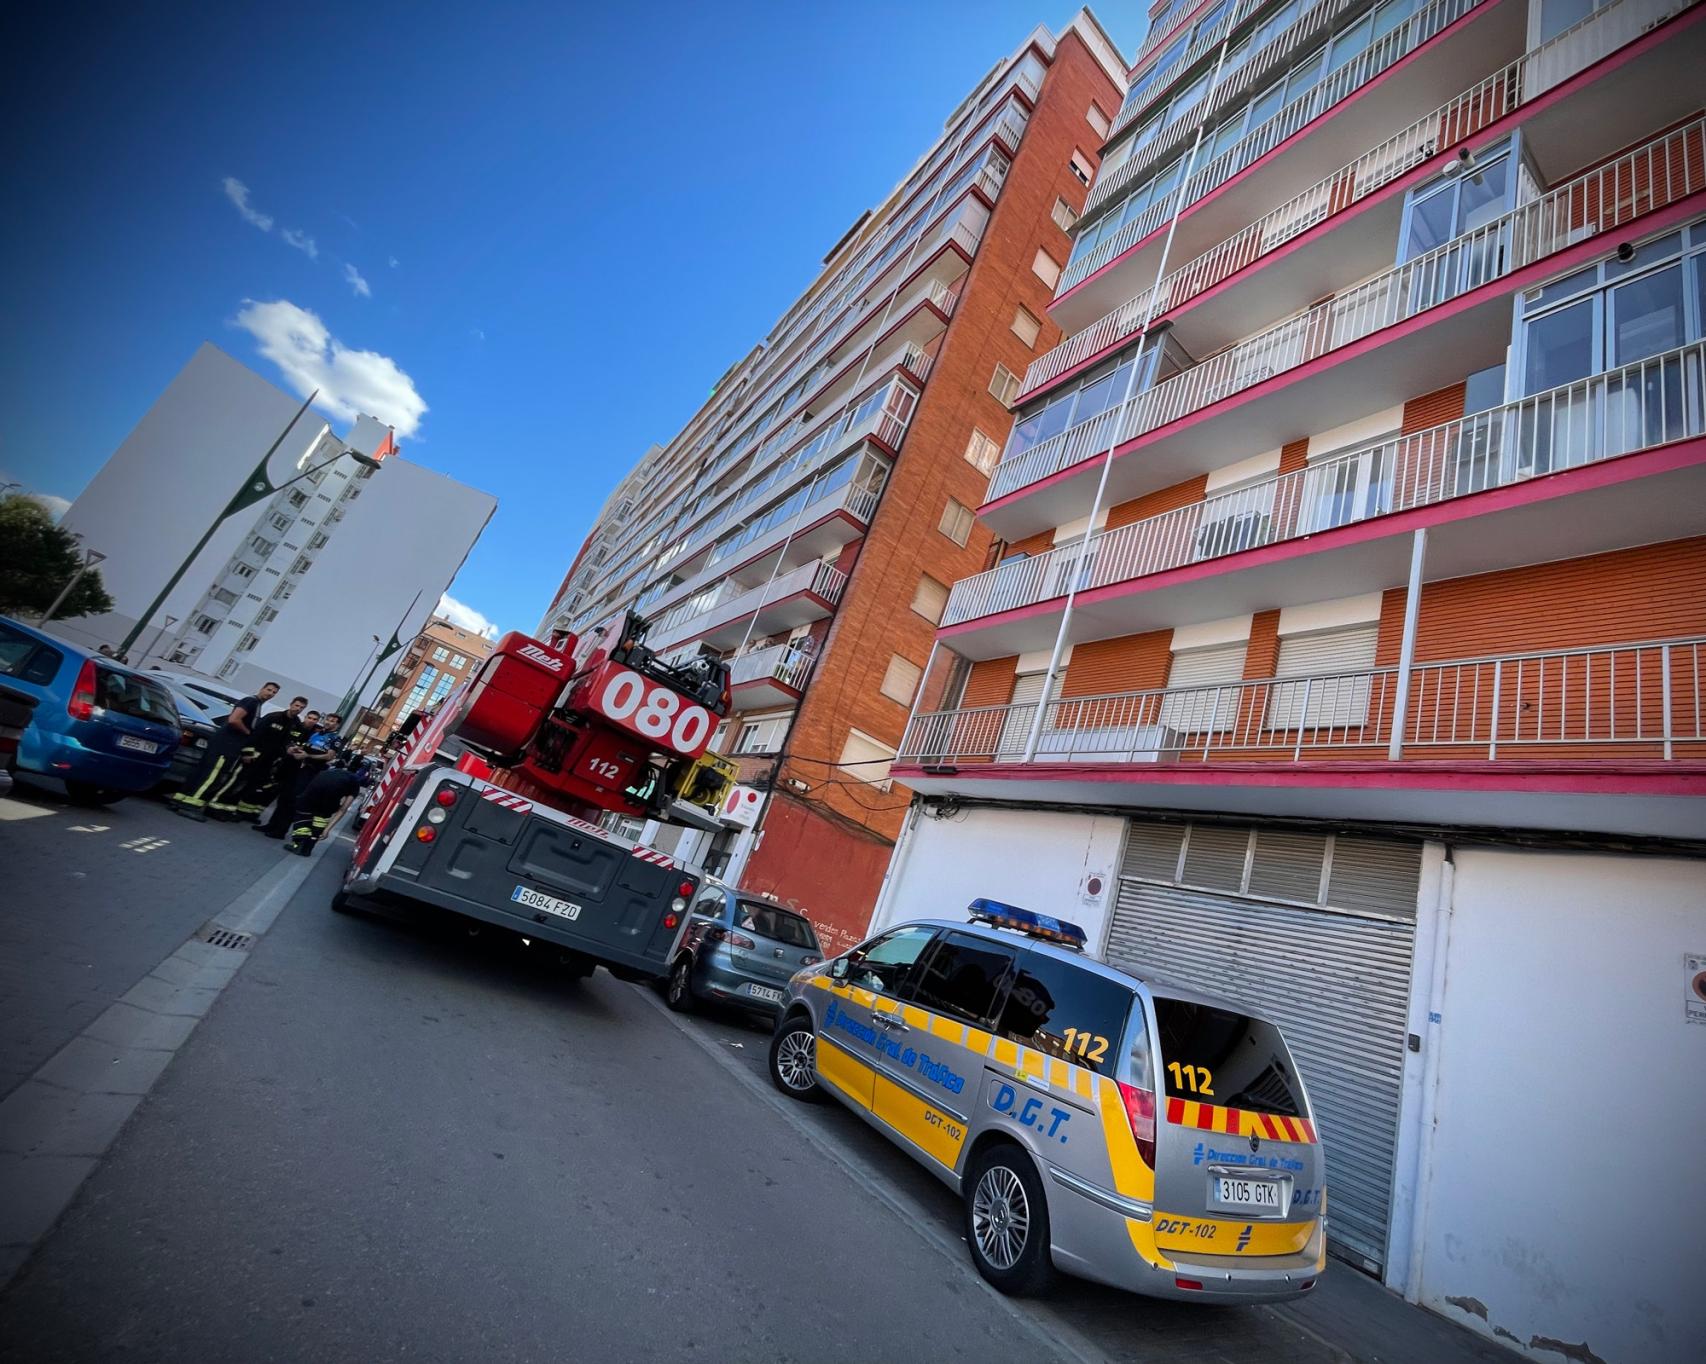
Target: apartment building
438,660
293,588
806,523
1345,645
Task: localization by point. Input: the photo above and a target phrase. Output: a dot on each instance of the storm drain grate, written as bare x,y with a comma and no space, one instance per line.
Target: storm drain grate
216,936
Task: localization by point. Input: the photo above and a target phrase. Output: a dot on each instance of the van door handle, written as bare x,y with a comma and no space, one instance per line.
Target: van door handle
890,1021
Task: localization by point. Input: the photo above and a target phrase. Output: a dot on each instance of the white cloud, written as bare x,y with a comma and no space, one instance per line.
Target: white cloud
56,506
393,262
350,381
238,193
295,236
352,277
465,616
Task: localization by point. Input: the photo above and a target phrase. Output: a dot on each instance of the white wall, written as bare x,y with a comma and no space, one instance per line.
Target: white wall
172,475
1564,1197
1035,859
407,533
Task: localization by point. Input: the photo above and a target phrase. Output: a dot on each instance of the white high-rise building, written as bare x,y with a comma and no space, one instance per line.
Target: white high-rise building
294,588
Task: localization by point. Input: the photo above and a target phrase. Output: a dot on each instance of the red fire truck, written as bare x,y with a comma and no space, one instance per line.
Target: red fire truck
550,736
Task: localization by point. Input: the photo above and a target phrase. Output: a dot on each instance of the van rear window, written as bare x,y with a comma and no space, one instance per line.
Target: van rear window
1225,1058
1063,1010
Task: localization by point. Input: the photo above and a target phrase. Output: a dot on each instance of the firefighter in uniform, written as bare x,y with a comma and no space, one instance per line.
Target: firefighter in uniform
322,800
223,751
315,754
255,777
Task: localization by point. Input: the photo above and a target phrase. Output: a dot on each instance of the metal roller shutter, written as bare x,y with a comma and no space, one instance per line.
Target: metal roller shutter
1336,980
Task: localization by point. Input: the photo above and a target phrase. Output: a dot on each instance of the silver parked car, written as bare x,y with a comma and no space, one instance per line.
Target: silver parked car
1092,1121
741,950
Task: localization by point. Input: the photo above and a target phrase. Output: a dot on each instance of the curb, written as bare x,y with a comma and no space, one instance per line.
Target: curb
57,1125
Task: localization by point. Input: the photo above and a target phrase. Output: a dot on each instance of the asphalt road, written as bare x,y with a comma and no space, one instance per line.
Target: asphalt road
92,899
388,1141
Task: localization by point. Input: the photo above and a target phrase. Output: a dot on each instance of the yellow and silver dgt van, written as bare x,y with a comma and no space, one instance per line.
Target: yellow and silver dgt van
1097,1122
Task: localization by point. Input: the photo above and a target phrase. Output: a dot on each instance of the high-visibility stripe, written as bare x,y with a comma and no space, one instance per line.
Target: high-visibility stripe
1269,1128
1175,1110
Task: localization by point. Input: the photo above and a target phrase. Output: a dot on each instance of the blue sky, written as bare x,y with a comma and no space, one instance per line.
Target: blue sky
555,226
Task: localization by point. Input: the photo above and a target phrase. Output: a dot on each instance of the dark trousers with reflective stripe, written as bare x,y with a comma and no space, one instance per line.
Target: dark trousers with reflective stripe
250,788
214,772
307,829
287,777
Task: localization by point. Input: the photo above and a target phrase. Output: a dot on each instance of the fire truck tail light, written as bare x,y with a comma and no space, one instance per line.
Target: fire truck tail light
678,904
436,816
685,889
446,795
671,920
425,834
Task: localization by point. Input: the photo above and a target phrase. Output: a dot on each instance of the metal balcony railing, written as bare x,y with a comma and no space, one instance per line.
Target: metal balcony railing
1332,88
784,663
1635,407
1205,43
1531,75
1662,172
729,603
1613,702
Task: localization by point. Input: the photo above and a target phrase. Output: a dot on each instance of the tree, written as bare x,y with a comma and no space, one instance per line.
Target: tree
37,559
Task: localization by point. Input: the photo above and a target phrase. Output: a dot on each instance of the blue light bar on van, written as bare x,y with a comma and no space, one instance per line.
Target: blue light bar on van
1024,921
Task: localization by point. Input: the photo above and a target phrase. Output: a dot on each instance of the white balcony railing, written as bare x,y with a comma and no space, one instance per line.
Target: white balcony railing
730,603
786,664
1336,86
1655,175
1613,702
1531,75
1636,407
1204,44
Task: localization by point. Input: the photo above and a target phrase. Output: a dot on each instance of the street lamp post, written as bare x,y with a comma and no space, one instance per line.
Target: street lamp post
352,700
256,488
91,557
158,636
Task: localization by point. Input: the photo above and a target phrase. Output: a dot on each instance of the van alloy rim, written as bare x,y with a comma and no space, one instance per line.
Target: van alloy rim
1000,1217
796,1055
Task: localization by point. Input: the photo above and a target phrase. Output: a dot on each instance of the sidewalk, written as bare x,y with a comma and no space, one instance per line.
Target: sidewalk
1352,1313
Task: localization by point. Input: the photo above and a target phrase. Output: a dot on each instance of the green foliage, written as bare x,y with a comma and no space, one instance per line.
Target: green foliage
37,559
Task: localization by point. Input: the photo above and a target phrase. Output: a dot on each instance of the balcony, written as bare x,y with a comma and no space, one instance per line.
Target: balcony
1406,73
1392,166
1344,519
1611,737
726,615
761,679
1469,330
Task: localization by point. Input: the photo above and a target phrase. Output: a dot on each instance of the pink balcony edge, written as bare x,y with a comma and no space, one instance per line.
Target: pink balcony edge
1402,184
1659,459
1558,263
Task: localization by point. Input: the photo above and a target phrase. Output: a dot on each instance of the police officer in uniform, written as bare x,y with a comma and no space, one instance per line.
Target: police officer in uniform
223,751
255,777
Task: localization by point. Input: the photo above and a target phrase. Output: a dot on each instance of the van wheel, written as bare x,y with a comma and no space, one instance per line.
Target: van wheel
82,793
1007,1222
678,994
342,903
793,1060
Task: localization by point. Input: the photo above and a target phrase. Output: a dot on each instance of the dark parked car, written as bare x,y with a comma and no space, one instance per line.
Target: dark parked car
197,724
740,950
102,729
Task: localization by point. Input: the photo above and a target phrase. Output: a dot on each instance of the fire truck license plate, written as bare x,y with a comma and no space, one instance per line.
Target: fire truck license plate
528,898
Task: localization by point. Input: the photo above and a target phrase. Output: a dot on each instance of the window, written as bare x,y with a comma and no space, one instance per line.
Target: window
459,660
1443,211
963,976
777,924
318,541
25,659
205,625
931,599
1238,1062
440,654
900,682
1339,694
281,522
243,570
1205,682
885,964
1558,15
866,759
223,597
248,642
1026,327
1080,165
302,564
262,546
1063,1010
762,736
982,452
1098,120
956,522
1046,268
1004,385
1065,215
298,500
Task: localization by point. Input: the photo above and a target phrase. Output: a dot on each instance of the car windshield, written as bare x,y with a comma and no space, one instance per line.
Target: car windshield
1225,1058
779,925
129,694
214,701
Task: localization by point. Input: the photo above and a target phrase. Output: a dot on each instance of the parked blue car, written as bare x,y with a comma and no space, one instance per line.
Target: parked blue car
102,729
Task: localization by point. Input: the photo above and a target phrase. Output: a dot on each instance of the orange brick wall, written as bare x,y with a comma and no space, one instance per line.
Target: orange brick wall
1433,409
1128,663
1650,592
1040,543
873,622
1161,500
991,682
